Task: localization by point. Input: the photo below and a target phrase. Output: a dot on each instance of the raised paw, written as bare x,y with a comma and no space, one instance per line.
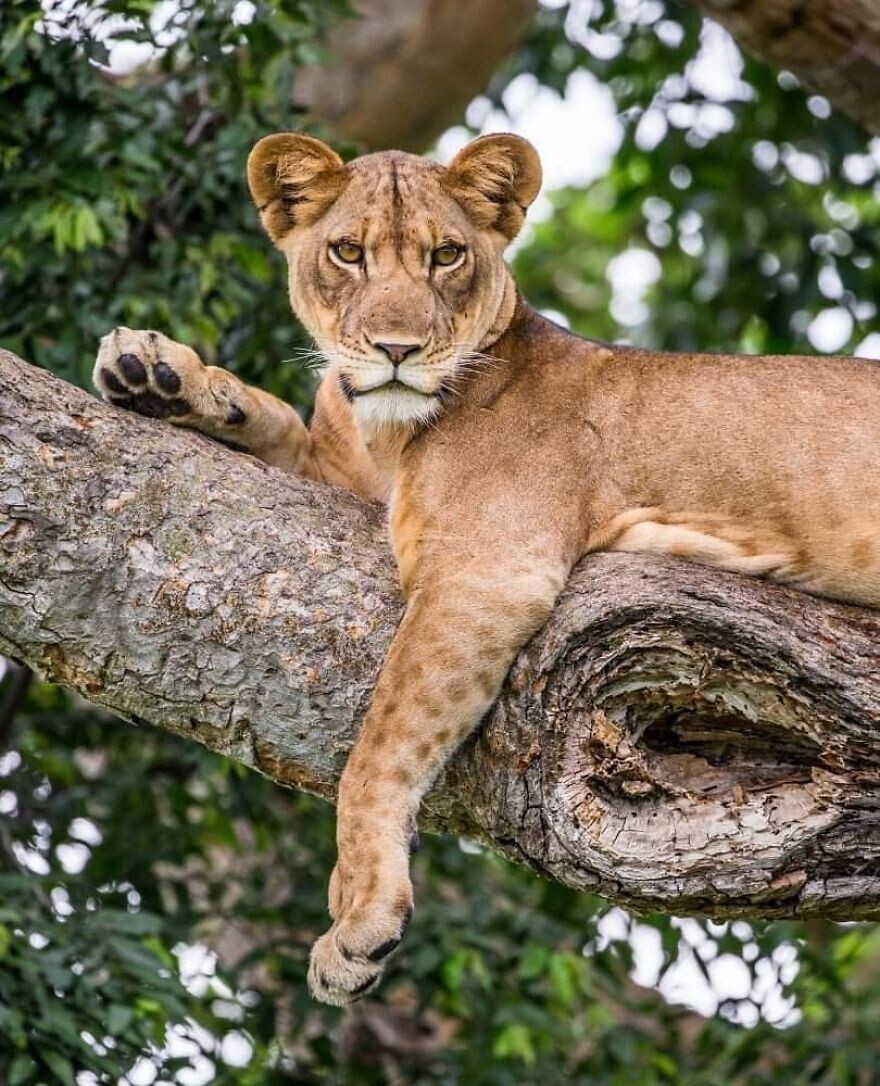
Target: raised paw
348,960
149,373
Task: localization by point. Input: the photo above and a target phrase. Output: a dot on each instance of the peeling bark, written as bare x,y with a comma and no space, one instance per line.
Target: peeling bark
676,738
401,73
833,46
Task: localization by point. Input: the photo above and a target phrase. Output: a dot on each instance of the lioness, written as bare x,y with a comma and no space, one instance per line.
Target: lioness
506,449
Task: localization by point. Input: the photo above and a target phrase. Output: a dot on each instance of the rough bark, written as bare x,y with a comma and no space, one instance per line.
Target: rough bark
833,46
676,738
398,74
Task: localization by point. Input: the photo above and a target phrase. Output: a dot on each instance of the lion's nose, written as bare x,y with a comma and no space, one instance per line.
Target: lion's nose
397,352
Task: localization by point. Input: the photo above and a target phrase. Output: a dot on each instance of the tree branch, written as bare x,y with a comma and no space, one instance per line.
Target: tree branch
676,738
401,73
833,46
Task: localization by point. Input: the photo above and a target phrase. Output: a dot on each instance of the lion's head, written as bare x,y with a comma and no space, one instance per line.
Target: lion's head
395,262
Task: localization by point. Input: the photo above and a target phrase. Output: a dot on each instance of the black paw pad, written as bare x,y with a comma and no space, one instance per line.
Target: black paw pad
383,950
133,370
178,406
112,382
122,401
151,405
166,378
236,416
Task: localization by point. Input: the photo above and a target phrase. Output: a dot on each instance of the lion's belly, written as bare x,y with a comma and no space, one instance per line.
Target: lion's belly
769,467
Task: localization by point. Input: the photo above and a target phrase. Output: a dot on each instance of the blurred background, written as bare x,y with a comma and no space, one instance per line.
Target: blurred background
156,902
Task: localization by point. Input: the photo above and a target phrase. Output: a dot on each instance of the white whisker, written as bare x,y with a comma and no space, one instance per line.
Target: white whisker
444,372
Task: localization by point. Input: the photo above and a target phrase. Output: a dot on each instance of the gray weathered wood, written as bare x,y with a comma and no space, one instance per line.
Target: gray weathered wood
676,738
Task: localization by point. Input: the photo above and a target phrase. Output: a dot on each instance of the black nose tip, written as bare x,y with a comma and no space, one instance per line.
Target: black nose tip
396,352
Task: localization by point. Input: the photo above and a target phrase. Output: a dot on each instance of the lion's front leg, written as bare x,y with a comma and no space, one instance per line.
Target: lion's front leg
149,373
445,668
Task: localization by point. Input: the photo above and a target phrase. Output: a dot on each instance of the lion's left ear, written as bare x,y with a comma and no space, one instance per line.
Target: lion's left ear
495,178
293,180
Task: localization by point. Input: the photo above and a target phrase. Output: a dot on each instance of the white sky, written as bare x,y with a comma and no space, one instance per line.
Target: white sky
576,135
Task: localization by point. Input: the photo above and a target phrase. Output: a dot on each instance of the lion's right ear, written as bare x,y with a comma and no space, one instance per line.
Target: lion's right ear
293,180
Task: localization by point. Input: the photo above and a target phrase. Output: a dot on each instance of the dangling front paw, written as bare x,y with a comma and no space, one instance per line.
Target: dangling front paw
348,960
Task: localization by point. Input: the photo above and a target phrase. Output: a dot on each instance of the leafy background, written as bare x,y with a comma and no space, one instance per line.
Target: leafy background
123,851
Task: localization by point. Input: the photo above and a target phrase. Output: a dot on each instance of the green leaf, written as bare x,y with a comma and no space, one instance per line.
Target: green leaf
118,1019
514,1042
60,1067
533,962
565,973
22,1070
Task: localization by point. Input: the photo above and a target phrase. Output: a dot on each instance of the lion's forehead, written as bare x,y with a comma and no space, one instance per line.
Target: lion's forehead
395,198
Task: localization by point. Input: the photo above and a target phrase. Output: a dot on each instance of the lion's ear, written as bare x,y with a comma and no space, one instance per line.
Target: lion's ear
293,180
495,178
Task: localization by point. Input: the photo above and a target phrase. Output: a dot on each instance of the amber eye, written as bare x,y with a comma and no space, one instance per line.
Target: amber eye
446,255
349,252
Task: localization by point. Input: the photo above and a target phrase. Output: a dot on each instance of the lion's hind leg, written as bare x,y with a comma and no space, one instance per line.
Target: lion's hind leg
757,550
839,560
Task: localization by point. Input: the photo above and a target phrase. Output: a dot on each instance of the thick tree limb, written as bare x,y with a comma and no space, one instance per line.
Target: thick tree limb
833,46
401,73
675,738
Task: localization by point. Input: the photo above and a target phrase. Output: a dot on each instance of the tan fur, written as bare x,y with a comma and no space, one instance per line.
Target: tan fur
508,450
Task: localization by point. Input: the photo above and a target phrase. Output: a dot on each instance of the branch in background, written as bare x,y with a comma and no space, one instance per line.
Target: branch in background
677,739
833,46
409,70
400,74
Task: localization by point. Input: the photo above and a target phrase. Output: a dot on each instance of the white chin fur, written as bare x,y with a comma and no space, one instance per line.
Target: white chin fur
394,407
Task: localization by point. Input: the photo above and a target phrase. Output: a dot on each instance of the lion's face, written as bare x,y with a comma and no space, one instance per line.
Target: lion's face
395,263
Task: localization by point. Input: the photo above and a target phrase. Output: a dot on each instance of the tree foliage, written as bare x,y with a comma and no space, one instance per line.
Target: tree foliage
757,202
123,201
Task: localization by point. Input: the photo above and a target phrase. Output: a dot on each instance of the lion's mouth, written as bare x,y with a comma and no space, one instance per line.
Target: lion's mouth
392,385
